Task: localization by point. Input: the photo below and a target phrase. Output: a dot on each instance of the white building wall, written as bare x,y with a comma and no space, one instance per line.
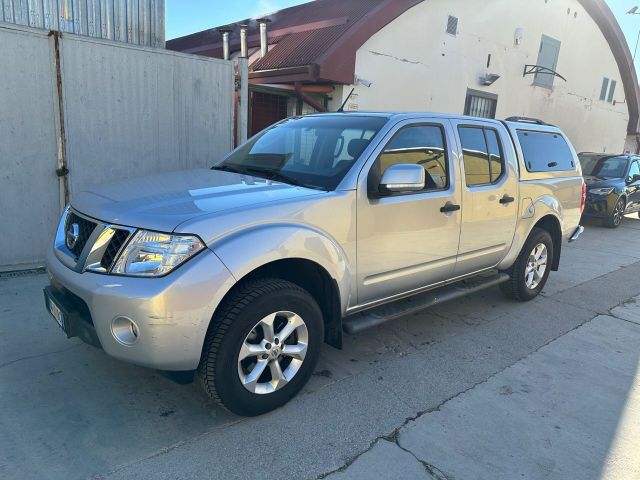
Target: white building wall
415,65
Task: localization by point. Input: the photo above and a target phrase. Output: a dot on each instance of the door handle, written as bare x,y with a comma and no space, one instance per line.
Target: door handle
507,199
450,207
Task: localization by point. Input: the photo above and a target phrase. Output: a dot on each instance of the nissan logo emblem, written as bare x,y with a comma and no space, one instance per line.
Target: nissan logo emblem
72,235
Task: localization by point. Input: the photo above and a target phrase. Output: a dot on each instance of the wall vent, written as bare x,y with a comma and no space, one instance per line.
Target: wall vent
452,25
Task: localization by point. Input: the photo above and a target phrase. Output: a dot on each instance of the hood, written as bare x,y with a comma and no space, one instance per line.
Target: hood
600,182
162,202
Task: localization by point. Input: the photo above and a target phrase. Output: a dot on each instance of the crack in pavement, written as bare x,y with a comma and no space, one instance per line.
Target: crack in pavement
30,357
393,437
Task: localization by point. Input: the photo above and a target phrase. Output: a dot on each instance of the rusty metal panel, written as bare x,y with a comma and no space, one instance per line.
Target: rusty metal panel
29,187
139,22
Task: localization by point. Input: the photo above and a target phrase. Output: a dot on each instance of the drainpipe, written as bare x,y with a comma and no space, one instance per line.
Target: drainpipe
225,42
264,40
244,51
307,99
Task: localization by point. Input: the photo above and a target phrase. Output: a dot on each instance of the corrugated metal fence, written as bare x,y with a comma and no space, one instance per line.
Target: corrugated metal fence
126,111
139,22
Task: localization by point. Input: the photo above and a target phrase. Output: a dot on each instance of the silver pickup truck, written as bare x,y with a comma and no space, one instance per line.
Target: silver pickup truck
318,225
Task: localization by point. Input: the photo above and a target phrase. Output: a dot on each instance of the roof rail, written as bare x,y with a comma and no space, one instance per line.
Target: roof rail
526,120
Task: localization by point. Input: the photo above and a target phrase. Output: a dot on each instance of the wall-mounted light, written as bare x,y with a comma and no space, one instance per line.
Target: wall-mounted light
362,81
489,79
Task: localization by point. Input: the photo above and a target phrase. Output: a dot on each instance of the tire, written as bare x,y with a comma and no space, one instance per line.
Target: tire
519,287
615,219
242,324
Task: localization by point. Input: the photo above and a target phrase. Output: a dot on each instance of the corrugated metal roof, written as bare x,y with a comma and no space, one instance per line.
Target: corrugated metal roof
298,35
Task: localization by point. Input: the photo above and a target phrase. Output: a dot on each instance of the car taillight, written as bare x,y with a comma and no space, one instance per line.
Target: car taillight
584,197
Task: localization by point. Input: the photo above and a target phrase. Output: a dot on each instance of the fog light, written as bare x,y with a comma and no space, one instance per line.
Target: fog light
125,331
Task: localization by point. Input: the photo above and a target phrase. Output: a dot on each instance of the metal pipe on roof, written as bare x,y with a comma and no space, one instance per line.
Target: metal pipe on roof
264,40
225,42
244,51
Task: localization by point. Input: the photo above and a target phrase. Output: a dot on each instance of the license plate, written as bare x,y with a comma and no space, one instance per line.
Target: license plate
55,312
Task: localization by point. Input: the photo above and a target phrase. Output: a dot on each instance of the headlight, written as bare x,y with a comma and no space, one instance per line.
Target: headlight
601,191
152,254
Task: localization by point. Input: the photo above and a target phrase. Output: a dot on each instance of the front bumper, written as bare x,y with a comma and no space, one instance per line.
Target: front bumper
599,206
172,313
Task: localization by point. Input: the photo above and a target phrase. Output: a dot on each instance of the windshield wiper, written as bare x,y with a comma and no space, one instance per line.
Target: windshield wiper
226,168
279,177
266,173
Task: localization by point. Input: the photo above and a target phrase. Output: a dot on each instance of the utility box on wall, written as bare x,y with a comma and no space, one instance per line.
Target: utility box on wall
137,22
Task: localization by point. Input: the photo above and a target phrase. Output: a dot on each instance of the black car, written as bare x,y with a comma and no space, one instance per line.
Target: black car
613,186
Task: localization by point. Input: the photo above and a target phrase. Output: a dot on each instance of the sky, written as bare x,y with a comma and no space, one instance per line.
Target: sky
190,16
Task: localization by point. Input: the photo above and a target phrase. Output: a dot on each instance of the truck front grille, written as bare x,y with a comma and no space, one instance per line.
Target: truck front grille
118,240
85,229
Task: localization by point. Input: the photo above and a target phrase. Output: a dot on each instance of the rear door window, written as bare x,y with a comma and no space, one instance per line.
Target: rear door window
545,152
482,155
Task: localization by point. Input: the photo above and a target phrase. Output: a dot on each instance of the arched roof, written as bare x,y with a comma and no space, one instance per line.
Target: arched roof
318,41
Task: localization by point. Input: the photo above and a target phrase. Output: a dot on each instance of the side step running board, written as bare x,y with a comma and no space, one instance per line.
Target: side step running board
390,311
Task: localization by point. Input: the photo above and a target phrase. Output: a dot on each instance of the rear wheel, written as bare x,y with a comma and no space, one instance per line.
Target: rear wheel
262,347
615,219
530,272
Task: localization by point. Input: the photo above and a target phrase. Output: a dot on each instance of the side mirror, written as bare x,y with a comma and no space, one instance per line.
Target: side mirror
632,179
403,178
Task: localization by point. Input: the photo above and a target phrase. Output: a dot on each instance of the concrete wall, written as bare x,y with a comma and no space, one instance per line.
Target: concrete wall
128,111
415,65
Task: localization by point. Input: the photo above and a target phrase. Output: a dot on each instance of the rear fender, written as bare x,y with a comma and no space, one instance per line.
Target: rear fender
544,206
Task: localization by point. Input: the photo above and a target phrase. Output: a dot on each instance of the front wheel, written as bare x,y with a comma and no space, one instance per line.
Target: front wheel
615,219
262,347
530,272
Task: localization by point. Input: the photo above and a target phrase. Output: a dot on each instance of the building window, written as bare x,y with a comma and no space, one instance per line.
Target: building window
612,91
452,25
608,90
480,104
482,156
547,57
604,89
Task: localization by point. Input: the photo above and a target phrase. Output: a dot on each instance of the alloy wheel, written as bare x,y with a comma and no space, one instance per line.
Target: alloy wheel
618,212
536,266
273,352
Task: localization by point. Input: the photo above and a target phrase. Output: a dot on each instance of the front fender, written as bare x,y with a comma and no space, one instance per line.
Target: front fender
245,250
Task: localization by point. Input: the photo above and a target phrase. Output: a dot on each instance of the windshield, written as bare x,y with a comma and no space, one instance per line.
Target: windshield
603,166
315,152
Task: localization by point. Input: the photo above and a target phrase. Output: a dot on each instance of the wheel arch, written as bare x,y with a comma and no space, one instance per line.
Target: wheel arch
551,224
310,276
316,280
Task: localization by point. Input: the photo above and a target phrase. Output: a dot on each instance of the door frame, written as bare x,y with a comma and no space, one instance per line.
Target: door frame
454,188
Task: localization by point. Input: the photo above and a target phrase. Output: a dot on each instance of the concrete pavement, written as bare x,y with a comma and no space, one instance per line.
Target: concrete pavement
68,411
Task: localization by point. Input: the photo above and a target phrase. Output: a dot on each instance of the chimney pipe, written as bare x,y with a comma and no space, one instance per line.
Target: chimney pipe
244,52
225,42
264,40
